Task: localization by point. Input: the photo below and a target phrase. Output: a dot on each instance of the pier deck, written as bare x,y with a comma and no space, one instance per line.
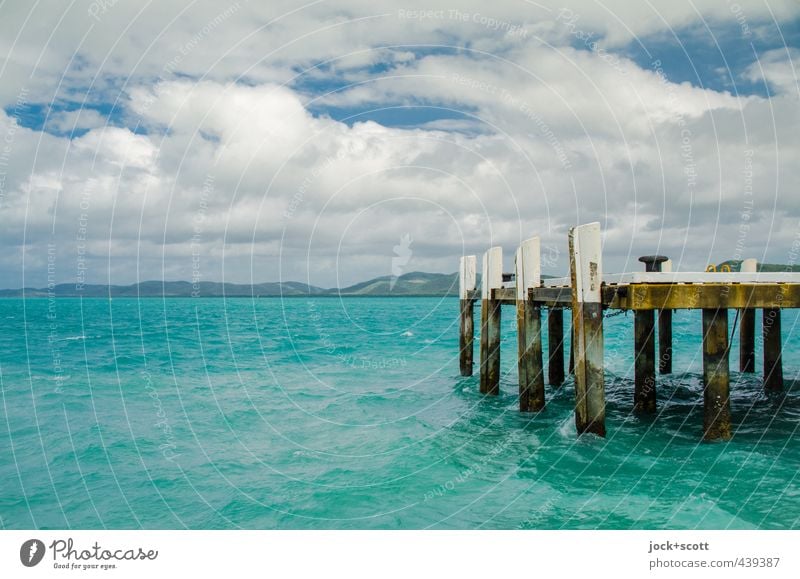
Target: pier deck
588,292
650,295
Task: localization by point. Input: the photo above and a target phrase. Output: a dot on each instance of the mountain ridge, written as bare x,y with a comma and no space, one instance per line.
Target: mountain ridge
410,284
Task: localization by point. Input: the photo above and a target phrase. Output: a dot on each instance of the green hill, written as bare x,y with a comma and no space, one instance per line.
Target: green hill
736,264
149,289
410,284
416,283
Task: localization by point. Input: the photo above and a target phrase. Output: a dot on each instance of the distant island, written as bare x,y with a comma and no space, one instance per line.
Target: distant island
411,284
414,284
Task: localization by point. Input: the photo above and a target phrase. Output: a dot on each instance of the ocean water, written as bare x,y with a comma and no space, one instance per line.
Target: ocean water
337,414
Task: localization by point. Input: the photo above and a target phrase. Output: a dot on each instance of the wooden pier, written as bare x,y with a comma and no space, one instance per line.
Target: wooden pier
587,293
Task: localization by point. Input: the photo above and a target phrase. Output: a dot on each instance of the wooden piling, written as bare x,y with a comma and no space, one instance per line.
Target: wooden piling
529,327
716,376
483,369
555,346
660,263
492,384
522,346
644,392
665,333
747,328
665,341
773,363
466,337
747,340
571,365
587,315
644,397
490,321
467,282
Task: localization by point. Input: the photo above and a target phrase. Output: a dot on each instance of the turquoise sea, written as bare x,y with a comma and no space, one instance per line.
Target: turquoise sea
349,413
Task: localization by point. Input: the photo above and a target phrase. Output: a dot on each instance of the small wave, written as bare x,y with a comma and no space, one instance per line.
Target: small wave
407,334
567,428
51,377
71,338
304,454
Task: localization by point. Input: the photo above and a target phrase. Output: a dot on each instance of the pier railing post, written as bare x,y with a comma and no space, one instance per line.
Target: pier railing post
747,328
716,376
555,346
490,321
773,364
587,315
529,327
466,284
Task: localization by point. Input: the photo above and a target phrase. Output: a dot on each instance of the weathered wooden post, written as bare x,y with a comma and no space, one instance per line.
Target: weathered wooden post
587,321
555,346
747,327
490,321
644,396
661,263
665,332
466,285
716,376
571,365
529,327
773,364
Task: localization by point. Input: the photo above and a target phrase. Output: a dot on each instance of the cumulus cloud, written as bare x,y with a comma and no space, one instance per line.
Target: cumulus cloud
75,121
779,69
221,142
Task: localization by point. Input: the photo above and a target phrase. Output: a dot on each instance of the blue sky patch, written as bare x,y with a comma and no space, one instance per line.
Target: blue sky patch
712,57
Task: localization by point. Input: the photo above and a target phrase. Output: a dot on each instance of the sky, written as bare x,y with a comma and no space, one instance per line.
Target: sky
331,142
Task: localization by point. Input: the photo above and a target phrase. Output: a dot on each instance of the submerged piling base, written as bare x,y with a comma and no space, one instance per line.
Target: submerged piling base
590,404
490,347
665,342
571,366
773,364
644,397
747,340
716,376
531,375
747,327
466,337
555,346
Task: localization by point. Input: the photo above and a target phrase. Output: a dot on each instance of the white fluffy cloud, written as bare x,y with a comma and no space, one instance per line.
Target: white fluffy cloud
213,148
778,69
